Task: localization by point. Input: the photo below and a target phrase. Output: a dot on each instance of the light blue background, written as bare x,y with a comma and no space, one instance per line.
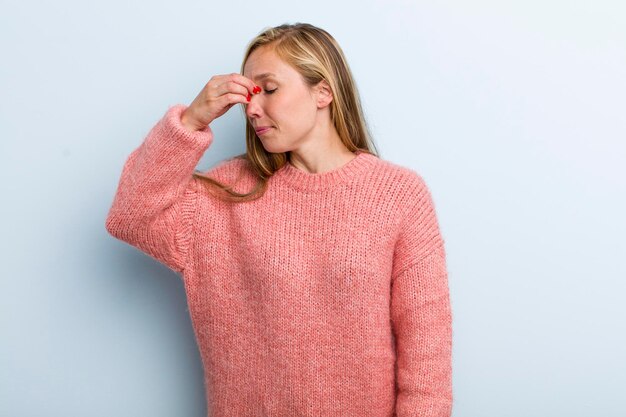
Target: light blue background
513,112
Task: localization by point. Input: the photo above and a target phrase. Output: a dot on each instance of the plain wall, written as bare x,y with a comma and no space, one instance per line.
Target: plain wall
513,112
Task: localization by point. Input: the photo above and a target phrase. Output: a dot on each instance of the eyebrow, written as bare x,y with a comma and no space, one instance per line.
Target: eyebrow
264,75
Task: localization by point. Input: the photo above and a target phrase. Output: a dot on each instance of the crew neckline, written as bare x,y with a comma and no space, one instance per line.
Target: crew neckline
302,180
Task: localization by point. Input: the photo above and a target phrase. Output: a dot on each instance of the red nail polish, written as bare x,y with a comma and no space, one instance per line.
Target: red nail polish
256,89
248,98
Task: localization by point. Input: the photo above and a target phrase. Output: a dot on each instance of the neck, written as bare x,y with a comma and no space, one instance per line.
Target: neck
325,153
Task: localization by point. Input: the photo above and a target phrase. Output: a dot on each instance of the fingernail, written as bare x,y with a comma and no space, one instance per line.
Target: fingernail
256,89
248,98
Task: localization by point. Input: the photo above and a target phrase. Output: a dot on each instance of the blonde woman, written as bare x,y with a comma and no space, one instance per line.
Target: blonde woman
314,270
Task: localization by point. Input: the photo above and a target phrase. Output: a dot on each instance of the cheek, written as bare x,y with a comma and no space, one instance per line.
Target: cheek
290,109
280,109
292,106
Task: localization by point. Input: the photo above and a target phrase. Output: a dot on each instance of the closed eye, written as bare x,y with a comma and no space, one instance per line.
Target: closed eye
271,91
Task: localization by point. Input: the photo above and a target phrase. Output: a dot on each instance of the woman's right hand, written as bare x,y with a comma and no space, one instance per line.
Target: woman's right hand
216,98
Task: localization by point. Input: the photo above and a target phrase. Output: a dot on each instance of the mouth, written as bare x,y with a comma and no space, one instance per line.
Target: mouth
263,130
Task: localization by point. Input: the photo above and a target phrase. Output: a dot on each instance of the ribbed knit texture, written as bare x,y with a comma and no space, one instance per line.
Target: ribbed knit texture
326,297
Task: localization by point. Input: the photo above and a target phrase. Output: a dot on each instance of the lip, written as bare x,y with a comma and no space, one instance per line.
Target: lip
262,130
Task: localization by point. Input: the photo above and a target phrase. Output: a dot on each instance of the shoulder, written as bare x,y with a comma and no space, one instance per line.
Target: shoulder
228,170
407,182
235,172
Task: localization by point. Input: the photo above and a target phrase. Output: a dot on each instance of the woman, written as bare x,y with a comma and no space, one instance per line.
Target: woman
314,270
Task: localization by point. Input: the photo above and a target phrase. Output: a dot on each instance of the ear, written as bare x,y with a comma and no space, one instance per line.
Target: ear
324,94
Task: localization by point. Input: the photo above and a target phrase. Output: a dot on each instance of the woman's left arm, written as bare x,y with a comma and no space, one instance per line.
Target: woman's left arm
421,314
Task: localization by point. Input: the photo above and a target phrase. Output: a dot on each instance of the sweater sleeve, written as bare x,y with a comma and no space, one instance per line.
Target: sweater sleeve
421,314
156,194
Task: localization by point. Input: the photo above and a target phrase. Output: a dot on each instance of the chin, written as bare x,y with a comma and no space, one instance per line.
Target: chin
273,147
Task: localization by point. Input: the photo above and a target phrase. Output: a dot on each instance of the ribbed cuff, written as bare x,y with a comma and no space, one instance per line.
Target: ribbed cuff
173,127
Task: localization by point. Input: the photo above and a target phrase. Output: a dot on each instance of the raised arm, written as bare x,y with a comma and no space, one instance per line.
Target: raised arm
421,314
156,195
155,200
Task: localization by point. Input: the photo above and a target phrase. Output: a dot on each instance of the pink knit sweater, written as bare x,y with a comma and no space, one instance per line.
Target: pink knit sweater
326,297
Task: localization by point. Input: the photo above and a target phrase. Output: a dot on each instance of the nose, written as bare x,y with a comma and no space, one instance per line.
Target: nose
253,107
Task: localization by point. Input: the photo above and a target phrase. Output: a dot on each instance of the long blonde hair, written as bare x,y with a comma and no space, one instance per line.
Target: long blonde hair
317,56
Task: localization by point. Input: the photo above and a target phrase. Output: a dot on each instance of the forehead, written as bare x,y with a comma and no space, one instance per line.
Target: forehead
264,64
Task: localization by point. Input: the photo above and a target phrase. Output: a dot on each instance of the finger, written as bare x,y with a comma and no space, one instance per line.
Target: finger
230,99
246,82
233,87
